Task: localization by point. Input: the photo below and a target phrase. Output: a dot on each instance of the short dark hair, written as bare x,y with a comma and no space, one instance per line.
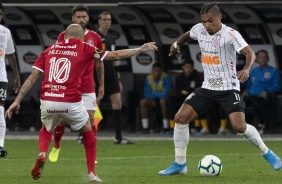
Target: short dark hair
209,7
157,65
80,8
189,61
1,6
104,13
263,51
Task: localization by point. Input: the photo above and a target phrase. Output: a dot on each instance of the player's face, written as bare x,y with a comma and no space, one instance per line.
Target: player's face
187,69
81,17
262,59
105,22
212,22
157,72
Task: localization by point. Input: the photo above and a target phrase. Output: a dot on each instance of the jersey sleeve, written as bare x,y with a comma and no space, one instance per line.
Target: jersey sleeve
195,31
100,54
40,63
237,41
61,37
10,45
99,42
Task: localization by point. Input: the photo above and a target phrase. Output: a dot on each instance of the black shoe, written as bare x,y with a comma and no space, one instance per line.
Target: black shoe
123,141
3,153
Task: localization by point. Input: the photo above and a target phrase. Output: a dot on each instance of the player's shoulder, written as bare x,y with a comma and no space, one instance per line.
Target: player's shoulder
4,29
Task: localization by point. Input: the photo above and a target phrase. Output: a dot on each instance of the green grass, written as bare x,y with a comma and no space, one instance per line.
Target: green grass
140,163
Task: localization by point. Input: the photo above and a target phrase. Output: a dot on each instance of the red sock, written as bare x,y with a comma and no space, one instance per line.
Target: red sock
44,140
94,130
58,133
89,140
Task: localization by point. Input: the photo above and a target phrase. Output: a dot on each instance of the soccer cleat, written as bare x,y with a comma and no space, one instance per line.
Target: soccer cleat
204,131
273,160
38,167
175,168
54,154
222,131
3,153
93,178
80,140
123,141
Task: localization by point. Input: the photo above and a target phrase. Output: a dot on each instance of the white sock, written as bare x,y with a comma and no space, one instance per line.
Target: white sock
165,123
145,123
181,139
252,135
2,126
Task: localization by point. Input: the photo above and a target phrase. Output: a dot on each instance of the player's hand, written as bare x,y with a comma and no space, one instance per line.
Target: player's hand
243,75
149,46
14,107
17,85
101,93
173,50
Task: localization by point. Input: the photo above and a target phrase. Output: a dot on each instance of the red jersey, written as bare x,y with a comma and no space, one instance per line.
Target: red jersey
63,65
87,80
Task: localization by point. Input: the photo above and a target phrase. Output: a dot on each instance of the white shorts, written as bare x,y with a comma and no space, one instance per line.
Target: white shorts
75,114
89,101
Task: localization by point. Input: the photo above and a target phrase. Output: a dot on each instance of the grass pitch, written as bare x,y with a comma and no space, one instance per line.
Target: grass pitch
140,163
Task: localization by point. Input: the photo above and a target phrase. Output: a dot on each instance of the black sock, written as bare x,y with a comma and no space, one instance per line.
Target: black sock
117,122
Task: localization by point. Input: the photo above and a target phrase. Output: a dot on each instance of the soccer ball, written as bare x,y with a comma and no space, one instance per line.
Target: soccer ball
210,165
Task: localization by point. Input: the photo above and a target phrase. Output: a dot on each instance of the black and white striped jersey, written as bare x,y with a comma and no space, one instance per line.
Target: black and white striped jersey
6,47
218,56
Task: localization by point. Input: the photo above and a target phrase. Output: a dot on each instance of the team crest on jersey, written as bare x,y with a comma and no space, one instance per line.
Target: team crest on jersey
90,42
215,42
267,75
216,82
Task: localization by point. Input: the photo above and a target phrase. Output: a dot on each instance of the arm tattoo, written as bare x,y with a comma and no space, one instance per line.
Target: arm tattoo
27,85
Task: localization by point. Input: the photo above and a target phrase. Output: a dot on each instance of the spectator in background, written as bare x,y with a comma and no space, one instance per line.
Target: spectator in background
264,81
113,85
185,83
157,88
7,49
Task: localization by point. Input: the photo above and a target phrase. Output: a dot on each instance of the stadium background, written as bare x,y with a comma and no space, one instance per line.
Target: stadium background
36,25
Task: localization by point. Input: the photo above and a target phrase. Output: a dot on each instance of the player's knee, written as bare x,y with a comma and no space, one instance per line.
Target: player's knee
179,118
239,127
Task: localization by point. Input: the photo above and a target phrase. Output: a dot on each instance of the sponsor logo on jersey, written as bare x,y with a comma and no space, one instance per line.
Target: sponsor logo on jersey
210,60
90,42
54,87
57,111
216,82
235,39
144,59
51,94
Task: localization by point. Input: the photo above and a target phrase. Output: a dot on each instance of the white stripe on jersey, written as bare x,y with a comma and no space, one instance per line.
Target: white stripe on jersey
218,54
6,47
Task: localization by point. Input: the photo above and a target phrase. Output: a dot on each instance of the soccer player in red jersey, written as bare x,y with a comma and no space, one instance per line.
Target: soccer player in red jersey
63,65
80,15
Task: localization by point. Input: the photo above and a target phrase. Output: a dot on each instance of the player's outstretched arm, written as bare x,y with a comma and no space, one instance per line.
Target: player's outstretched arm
248,52
175,47
126,53
23,91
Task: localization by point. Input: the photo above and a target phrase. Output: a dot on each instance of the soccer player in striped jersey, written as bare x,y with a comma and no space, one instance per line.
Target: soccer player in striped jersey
219,44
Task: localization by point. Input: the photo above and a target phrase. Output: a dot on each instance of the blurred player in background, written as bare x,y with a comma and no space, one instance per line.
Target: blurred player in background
7,50
221,86
80,15
63,64
113,85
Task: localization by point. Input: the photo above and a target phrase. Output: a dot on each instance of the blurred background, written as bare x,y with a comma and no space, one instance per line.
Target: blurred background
36,25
